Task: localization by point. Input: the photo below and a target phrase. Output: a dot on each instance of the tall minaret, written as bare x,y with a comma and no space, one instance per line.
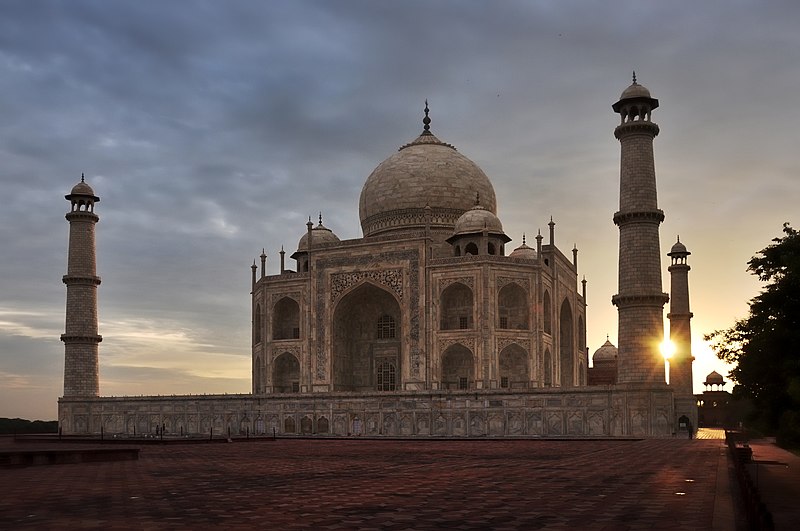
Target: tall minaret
80,337
640,301
680,333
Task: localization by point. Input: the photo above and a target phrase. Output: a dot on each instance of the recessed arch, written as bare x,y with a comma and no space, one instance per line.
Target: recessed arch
547,313
286,373
458,368
548,368
567,345
286,319
512,307
456,307
471,248
367,336
257,324
513,367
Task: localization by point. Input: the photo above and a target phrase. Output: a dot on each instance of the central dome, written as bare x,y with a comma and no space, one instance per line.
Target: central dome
424,173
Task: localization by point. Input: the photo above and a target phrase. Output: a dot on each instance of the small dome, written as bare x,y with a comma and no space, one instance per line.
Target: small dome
635,90
475,220
81,190
678,249
607,352
714,378
524,251
321,234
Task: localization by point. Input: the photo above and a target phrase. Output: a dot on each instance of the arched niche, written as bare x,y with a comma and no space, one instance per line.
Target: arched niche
286,319
547,313
367,337
567,345
512,308
513,367
548,368
456,307
458,368
286,373
257,324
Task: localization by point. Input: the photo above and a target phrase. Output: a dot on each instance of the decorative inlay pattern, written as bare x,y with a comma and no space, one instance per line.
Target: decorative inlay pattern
468,342
296,350
467,281
503,342
295,295
391,278
524,283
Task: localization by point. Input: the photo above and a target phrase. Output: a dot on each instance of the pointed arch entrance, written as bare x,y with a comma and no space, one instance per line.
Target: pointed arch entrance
367,342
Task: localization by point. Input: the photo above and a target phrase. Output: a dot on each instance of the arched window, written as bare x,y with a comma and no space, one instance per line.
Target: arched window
458,368
387,328
492,249
512,307
257,325
286,374
456,307
286,319
386,376
567,344
513,367
471,248
458,250
547,314
548,368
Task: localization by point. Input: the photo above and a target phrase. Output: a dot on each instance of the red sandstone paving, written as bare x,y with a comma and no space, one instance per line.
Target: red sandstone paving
376,484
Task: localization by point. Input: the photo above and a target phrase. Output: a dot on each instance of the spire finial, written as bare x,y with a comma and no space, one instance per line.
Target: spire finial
607,339
477,198
320,217
82,180
679,238
634,77
523,238
426,122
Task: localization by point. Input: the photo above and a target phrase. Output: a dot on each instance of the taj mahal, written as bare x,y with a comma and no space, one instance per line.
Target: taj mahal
430,324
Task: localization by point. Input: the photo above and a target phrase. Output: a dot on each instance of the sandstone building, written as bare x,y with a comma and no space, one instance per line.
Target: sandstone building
425,326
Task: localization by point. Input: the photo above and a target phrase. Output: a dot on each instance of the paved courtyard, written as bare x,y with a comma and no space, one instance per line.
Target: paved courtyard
377,484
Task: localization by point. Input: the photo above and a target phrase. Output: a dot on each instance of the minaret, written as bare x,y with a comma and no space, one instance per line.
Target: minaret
680,333
80,337
640,301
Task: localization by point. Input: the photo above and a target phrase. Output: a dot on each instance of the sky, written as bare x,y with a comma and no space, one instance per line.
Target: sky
211,130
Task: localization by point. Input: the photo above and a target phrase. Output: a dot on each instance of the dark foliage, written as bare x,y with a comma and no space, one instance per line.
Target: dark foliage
765,346
20,426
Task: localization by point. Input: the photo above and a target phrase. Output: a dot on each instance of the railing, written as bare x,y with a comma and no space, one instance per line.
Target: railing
758,516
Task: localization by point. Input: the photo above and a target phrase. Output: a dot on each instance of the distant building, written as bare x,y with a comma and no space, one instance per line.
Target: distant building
424,326
715,405
604,365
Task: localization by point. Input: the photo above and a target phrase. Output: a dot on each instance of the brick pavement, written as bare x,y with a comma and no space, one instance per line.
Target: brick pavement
377,484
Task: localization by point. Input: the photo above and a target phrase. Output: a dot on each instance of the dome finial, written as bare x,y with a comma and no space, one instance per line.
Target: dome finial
82,179
477,198
320,217
523,238
426,122
634,77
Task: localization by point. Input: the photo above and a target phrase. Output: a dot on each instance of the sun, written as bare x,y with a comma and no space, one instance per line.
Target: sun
667,348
